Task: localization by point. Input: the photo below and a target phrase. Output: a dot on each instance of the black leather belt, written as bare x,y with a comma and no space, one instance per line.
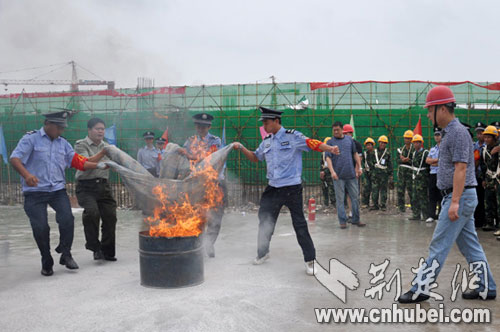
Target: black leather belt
450,190
99,180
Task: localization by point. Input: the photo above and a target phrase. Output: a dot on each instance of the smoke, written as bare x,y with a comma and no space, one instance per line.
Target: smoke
40,33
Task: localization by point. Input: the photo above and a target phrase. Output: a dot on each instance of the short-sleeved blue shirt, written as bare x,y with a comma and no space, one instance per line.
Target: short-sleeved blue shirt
343,163
283,155
45,158
456,147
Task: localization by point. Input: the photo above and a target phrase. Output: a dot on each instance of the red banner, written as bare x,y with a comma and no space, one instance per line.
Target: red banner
322,85
110,93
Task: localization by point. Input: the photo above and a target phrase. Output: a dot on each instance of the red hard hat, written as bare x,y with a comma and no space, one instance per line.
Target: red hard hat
439,95
347,129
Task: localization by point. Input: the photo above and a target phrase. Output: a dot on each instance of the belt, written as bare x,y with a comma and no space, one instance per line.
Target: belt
445,192
406,166
98,180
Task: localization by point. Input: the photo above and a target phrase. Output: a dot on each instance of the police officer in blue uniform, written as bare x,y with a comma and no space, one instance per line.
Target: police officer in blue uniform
41,157
160,143
282,150
198,147
147,156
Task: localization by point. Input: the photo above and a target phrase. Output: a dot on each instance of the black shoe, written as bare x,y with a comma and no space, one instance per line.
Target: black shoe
373,208
383,208
414,218
110,258
474,294
408,298
488,228
47,272
68,261
98,255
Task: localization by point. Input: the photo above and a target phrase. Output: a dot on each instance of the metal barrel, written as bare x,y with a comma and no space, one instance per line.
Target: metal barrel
170,262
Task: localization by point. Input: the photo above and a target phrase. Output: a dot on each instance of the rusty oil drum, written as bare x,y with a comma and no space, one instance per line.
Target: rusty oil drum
170,262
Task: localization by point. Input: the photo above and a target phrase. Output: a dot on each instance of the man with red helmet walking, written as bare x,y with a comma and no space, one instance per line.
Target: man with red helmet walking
456,220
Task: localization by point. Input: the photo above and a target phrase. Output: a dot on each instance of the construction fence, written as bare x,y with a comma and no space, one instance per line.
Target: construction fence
376,108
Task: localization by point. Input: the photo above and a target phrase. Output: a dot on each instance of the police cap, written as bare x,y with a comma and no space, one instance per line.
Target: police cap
267,113
59,118
148,134
203,119
480,126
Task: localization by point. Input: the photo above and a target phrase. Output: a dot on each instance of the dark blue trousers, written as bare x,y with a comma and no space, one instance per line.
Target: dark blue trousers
271,203
35,206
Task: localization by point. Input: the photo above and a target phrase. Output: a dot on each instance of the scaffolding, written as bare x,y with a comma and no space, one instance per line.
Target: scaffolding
377,108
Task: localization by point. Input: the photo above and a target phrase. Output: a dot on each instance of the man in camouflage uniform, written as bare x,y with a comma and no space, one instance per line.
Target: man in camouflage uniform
405,181
326,181
368,164
381,172
420,177
490,169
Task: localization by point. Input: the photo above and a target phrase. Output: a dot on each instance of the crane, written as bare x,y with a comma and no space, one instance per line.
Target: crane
73,83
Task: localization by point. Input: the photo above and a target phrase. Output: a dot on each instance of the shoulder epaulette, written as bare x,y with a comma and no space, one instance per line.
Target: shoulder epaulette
290,131
268,136
31,132
80,140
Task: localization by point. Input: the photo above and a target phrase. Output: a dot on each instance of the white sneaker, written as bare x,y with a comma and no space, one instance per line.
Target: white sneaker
497,233
310,268
429,220
258,261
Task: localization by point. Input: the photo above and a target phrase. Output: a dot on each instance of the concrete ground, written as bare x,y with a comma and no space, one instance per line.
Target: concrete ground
236,295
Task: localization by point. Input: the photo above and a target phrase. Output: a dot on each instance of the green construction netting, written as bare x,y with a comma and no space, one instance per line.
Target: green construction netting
377,109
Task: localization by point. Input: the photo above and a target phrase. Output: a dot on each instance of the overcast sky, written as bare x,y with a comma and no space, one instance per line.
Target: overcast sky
225,42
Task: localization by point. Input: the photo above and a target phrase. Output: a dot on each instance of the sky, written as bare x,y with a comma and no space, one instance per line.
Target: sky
230,41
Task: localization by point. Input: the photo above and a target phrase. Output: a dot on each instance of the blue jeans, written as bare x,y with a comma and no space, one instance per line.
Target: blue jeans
351,186
35,206
461,231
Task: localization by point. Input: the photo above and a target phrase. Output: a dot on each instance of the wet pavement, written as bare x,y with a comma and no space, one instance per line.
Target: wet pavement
236,295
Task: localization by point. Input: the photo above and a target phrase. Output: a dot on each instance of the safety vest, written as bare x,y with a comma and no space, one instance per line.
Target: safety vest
491,174
377,164
421,163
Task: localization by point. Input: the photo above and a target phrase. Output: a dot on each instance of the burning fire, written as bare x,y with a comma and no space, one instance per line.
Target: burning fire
177,216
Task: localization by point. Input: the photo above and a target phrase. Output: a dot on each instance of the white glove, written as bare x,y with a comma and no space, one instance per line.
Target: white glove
101,165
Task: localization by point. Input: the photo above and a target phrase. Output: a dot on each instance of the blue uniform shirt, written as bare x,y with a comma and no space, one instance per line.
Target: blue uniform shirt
478,147
208,141
44,158
148,158
434,154
283,155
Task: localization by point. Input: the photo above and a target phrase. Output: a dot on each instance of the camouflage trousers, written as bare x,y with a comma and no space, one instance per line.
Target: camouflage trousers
420,202
328,189
379,188
492,202
367,183
405,183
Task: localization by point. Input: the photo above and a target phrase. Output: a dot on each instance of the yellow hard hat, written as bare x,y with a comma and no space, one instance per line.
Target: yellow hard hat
408,134
491,130
383,139
326,139
369,140
417,138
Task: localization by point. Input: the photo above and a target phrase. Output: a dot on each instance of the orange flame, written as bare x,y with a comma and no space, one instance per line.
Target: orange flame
179,217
